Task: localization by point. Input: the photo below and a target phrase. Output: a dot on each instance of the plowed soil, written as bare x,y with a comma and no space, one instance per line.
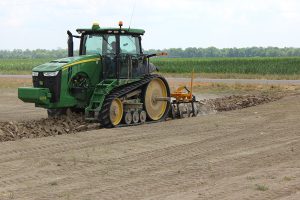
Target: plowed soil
73,123
250,153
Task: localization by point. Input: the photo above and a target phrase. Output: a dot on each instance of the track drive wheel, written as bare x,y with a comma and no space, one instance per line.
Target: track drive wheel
116,111
156,109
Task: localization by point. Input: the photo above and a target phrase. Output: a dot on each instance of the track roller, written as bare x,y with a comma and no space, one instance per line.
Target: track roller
128,118
135,117
143,116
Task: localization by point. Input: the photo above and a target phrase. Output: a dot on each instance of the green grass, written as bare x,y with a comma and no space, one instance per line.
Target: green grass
261,187
287,178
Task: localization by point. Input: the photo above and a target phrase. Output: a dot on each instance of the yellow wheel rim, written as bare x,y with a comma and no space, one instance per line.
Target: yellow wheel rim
116,111
155,109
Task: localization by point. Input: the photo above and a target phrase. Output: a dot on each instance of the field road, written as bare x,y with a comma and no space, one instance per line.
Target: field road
248,154
207,80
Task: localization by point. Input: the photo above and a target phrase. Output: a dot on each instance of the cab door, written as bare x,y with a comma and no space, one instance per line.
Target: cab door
132,60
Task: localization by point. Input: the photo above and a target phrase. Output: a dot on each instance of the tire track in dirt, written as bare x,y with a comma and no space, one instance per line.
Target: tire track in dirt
71,145
186,159
155,165
149,154
48,150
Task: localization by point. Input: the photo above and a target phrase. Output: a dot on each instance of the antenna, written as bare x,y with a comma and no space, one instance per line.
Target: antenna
132,13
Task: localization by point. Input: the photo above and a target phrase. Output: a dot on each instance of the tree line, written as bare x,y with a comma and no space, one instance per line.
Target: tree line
190,52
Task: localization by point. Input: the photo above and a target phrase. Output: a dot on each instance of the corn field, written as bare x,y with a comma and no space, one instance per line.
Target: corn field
262,66
17,66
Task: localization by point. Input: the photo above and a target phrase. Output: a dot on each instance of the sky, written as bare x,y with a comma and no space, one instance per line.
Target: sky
33,24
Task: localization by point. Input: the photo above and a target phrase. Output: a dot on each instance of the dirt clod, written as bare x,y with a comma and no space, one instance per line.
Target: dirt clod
235,102
10,131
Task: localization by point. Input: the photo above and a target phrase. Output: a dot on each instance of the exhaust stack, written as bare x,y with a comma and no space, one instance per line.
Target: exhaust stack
70,44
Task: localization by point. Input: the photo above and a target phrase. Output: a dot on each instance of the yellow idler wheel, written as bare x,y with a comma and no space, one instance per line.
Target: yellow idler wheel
155,109
116,111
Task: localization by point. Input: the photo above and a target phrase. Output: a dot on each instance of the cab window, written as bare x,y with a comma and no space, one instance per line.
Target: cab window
111,44
129,44
93,44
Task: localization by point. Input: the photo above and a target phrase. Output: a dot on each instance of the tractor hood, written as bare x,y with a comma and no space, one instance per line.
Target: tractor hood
56,65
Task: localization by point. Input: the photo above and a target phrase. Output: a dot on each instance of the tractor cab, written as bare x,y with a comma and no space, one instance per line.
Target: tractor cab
120,51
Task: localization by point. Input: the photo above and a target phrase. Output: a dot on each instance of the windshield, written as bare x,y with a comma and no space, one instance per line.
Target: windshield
99,44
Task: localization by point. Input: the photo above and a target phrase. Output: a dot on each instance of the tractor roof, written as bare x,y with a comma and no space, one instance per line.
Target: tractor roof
97,29
132,31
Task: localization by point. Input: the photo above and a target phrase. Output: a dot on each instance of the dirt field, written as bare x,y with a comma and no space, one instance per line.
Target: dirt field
251,153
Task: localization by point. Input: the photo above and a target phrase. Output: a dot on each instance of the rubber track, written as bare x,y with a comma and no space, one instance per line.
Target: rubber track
104,118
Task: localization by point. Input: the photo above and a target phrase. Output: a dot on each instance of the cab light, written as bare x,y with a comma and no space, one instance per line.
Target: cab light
120,24
95,26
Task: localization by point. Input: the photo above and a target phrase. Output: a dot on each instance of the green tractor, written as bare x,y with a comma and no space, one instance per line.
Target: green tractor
111,80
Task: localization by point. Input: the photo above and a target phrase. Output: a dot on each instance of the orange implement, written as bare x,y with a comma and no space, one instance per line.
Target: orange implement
183,93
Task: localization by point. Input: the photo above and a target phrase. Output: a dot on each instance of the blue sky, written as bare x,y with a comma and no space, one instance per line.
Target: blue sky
32,24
